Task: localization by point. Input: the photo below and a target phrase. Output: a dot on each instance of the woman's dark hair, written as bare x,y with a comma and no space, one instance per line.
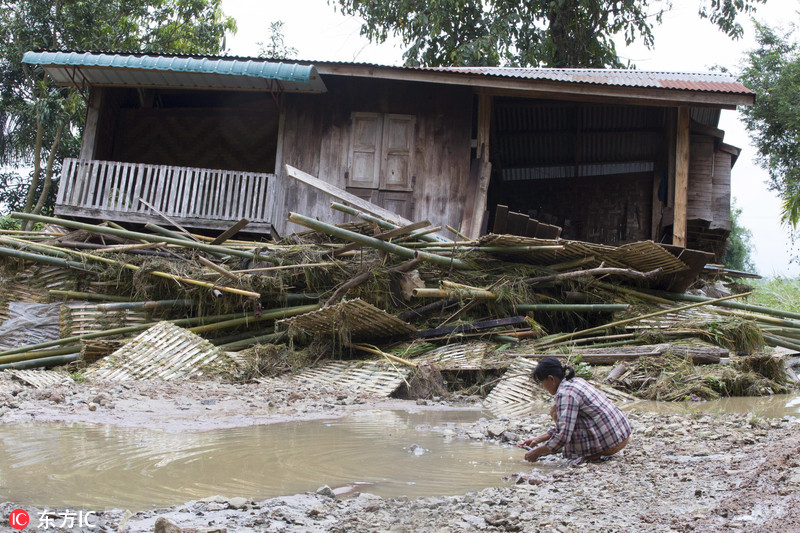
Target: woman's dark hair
550,366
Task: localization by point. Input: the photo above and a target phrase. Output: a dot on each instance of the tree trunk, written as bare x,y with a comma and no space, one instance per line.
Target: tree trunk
48,173
37,171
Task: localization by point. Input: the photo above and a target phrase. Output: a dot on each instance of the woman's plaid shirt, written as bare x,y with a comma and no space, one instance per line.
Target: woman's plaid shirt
588,423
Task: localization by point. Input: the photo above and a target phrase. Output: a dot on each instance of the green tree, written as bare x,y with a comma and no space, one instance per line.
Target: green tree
550,33
772,72
41,123
738,253
276,48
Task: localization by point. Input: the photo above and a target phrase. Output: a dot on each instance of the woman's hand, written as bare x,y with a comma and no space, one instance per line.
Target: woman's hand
533,441
536,453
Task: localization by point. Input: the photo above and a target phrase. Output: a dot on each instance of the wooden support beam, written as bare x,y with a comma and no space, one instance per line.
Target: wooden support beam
89,143
681,177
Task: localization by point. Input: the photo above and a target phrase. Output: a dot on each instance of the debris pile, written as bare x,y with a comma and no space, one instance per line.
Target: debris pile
424,309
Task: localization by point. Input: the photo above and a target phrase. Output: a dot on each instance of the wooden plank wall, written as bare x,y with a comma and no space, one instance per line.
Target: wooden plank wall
722,191
317,132
701,184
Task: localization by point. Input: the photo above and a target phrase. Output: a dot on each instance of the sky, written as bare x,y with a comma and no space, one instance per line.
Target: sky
683,42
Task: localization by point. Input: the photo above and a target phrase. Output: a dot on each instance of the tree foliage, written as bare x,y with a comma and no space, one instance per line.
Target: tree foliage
772,71
738,253
276,47
550,33
41,123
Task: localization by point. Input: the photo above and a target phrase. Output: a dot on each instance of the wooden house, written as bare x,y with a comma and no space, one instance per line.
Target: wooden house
609,155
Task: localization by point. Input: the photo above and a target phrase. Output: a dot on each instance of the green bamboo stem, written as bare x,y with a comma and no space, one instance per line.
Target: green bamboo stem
732,305
271,314
153,304
186,237
45,362
632,292
372,242
251,341
574,308
604,327
47,260
89,296
138,236
774,340
27,356
379,221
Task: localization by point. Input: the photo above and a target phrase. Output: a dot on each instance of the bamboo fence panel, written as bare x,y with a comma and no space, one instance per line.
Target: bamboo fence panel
40,379
469,356
372,378
164,351
351,319
79,318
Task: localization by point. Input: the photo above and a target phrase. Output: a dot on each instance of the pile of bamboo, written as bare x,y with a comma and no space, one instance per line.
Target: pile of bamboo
548,297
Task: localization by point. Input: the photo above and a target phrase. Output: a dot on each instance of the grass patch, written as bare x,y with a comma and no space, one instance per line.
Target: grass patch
777,293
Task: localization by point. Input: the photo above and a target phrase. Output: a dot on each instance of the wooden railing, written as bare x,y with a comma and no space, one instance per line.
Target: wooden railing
196,197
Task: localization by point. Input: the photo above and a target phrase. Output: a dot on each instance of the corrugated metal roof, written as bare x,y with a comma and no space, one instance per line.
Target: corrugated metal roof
697,81
153,70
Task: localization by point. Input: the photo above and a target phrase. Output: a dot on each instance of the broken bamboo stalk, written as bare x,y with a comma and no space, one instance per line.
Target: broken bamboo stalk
89,296
186,237
364,276
158,273
372,242
283,267
375,350
271,314
733,305
379,221
453,293
45,259
455,232
386,236
600,271
217,268
615,373
604,327
574,308
138,236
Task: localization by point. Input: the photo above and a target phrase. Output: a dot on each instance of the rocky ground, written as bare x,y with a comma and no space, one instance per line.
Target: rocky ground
681,472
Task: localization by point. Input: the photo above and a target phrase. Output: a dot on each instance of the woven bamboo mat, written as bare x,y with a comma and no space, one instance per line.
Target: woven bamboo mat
373,378
164,351
646,256
80,318
349,320
470,356
40,379
516,390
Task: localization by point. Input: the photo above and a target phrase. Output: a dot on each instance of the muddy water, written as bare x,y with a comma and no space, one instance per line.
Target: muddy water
107,467
779,405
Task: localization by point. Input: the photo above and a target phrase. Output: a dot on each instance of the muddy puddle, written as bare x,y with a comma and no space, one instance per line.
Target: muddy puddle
776,406
104,467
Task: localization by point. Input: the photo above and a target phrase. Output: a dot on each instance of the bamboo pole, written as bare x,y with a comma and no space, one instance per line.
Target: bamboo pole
636,319
731,305
47,260
153,304
575,308
284,267
45,362
371,242
456,232
138,236
379,221
157,273
774,340
271,314
89,296
453,293
41,354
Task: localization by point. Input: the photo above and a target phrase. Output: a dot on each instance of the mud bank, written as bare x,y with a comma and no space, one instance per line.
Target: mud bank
681,472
